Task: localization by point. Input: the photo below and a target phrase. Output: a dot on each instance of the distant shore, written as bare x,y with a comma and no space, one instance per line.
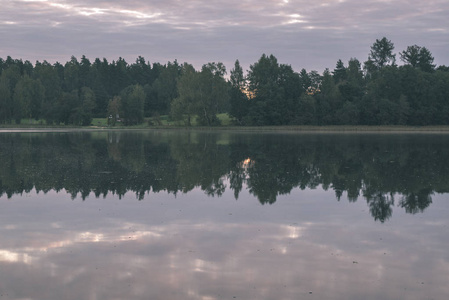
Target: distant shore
292,129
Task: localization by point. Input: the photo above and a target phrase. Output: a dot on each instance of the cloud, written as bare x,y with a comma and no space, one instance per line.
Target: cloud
313,35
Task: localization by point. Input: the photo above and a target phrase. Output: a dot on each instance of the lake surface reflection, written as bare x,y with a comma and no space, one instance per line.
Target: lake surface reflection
223,215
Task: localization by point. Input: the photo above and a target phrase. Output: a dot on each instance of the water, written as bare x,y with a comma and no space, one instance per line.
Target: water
223,215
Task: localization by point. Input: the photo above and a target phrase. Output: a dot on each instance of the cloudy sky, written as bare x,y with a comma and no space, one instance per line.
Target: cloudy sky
302,33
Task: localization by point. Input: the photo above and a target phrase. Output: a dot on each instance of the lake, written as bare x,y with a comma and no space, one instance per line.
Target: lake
184,214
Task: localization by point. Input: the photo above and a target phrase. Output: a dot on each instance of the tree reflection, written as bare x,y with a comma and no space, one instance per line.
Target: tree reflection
416,202
376,167
380,206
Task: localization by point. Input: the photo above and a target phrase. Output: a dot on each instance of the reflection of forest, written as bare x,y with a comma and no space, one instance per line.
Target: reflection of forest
383,169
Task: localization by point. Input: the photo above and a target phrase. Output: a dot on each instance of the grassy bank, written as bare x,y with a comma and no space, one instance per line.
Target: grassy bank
163,122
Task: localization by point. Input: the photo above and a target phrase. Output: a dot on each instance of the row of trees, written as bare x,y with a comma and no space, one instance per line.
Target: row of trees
376,92
77,91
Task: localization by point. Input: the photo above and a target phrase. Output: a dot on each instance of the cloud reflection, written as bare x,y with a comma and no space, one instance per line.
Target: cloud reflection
192,248
14,257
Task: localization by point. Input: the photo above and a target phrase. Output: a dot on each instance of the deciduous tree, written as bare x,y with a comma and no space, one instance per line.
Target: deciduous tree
239,102
114,108
28,98
132,98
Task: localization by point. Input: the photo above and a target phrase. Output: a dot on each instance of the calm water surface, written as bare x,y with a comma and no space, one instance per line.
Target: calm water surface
222,215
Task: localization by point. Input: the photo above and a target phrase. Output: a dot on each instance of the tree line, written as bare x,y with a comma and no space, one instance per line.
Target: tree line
375,92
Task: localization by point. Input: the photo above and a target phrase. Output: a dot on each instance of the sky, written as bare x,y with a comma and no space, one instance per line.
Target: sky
301,33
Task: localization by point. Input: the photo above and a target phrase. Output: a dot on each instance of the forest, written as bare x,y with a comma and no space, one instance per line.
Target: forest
376,92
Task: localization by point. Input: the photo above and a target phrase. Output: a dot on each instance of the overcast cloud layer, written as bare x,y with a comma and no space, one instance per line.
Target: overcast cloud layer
305,34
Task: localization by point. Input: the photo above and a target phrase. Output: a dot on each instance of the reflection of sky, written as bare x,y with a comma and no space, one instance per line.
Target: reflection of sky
195,247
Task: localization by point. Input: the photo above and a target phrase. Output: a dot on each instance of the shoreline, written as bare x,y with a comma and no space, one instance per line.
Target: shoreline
291,129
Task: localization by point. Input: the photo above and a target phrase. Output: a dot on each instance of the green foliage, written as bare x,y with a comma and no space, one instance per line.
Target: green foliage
374,93
339,72
184,106
6,102
348,114
238,99
276,90
140,72
202,94
307,110
213,94
163,90
132,104
28,97
306,81
87,106
8,80
328,100
114,109
418,57
381,53
71,75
